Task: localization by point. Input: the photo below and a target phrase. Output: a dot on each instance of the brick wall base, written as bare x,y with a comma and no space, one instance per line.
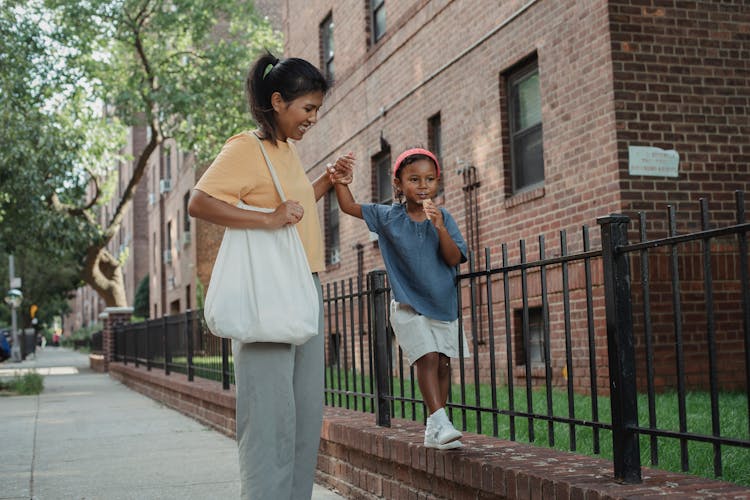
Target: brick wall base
96,363
361,460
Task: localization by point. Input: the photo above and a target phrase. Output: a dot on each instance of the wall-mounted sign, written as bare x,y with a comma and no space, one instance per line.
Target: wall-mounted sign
655,162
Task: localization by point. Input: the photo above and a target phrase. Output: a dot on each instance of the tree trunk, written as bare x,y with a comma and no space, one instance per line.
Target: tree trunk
102,271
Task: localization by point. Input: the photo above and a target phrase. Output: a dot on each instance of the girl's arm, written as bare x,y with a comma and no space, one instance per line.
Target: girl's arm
346,201
208,208
448,249
344,168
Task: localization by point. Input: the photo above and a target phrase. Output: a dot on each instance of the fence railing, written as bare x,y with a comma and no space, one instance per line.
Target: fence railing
575,346
592,351
179,343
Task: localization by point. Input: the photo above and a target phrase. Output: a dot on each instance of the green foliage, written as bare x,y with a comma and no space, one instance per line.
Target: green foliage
200,293
79,74
141,301
181,63
29,384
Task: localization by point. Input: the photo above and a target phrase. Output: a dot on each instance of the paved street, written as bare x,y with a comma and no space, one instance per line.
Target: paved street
89,437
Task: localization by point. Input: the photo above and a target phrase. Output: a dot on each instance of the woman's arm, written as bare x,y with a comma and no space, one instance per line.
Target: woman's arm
321,185
341,173
208,208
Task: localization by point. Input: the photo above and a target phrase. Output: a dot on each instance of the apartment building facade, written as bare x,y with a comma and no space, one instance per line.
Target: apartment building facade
543,114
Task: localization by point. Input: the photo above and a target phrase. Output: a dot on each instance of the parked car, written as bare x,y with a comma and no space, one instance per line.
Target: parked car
6,342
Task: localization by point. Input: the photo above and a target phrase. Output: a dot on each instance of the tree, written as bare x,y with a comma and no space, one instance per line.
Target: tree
175,67
42,138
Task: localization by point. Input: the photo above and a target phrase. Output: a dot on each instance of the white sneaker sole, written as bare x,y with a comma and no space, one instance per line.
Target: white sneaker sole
450,437
447,446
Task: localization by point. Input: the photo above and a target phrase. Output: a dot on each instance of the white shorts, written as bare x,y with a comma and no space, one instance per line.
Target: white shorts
418,335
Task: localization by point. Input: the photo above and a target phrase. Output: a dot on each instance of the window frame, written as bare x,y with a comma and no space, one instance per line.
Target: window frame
376,7
435,144
515,77
327,53
381,169
332,229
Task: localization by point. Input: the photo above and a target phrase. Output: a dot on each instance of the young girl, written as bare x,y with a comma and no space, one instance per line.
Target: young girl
279,386
421,246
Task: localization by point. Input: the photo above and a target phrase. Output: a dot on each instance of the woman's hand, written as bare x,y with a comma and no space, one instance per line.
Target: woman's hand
289,212
341,172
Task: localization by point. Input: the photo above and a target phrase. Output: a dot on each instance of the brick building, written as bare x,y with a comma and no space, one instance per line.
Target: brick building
129,245
533,107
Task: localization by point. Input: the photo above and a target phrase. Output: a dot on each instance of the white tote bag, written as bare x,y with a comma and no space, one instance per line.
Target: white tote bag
261,287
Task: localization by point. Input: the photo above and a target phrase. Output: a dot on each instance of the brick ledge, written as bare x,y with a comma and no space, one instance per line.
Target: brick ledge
361,460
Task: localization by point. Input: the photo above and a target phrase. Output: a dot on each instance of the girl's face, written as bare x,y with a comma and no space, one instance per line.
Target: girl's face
418,181
294,117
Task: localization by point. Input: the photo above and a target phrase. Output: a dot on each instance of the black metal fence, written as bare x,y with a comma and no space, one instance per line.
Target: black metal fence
575,351
595,351
179,343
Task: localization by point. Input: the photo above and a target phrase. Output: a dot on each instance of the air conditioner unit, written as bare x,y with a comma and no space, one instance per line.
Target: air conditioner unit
168,256
186,237
165,185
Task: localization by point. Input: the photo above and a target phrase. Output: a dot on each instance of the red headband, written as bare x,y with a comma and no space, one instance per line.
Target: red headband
415,151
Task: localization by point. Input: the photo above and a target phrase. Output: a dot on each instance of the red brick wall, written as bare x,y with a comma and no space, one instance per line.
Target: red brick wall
361,460
682,82
415,71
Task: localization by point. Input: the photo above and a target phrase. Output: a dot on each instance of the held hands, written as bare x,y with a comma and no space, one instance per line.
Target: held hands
433,213
341,172
289,212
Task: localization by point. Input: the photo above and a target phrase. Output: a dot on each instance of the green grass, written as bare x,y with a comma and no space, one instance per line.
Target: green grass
29,384
207,367
733,417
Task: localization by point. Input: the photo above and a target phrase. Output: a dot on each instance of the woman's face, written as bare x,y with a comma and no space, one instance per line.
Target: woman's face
294,117
418,181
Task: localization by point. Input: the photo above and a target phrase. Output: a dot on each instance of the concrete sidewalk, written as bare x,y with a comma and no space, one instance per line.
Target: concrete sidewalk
89,437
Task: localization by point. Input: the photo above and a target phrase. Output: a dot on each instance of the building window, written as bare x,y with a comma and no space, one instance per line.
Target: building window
168,164
333,241
186,219
525,127
382,177
536,337
377,16
435,144
326,49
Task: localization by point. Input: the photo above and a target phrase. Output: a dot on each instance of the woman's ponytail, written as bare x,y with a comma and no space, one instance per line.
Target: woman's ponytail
259,94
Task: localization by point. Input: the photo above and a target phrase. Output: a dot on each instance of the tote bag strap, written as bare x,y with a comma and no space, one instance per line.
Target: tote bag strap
270,168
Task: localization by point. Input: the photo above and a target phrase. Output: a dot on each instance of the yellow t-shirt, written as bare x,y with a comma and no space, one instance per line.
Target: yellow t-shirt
240,172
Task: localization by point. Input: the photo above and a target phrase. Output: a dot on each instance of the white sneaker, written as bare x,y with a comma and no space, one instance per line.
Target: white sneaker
441,436
447,433
430,441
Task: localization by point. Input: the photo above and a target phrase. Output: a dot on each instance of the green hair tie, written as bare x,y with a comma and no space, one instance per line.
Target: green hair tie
267,70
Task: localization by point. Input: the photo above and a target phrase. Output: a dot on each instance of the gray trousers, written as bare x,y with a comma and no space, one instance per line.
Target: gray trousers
279,415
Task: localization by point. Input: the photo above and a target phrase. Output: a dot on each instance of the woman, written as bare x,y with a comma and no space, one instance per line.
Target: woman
279,386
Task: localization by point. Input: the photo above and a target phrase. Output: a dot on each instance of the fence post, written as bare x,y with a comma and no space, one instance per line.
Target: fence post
378,308
189,322
112,319
619,310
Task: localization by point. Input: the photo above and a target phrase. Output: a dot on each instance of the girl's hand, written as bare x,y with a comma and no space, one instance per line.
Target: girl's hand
341,172
433,213
289,212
